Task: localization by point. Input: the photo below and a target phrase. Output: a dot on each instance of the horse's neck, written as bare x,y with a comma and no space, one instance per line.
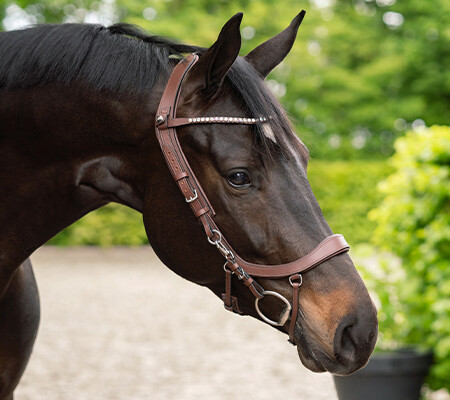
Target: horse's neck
63,153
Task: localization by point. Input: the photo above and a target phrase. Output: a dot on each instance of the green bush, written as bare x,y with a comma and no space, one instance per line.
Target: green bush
111,225
346,192
413,223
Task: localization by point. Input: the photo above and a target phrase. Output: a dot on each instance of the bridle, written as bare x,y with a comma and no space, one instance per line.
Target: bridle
166,123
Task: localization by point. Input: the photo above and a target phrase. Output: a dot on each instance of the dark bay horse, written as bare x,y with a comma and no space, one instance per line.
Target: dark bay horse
78,106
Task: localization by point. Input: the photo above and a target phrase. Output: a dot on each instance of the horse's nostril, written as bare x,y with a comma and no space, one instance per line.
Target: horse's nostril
347,344
354,340
344,343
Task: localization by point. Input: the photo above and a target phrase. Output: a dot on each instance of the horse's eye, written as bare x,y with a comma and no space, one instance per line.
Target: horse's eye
239,179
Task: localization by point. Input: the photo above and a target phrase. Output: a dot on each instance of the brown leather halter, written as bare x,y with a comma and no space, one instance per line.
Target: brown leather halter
166,123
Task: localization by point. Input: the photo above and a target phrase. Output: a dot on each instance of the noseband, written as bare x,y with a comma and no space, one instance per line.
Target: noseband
166,123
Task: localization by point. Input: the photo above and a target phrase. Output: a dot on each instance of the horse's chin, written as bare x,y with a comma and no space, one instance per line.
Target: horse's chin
317,362
309,360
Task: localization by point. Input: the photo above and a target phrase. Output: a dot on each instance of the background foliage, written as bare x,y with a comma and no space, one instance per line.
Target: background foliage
413,222
361,73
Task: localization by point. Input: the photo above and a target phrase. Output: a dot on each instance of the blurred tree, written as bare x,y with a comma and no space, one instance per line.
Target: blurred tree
361,73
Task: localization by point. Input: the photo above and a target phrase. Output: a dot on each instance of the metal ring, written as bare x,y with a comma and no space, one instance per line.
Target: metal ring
300,279
214,242
284,317
225,268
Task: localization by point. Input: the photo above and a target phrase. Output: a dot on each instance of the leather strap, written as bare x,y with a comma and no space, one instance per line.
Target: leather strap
166,122
328,248
296,281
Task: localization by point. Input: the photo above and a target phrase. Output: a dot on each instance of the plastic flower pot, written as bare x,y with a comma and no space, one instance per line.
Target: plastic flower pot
397,375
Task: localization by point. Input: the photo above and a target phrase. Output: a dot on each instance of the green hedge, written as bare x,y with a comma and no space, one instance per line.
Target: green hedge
413,222
345,191
112,225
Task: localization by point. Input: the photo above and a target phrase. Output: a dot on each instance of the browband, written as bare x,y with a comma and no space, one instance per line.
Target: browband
166,123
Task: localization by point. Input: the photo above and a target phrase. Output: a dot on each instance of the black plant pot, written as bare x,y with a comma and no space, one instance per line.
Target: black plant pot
388,376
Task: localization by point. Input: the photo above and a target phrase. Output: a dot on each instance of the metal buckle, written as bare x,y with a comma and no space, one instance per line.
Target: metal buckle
285,315
241,274
191,199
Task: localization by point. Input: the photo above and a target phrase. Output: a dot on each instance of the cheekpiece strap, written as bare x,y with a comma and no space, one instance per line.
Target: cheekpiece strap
166,122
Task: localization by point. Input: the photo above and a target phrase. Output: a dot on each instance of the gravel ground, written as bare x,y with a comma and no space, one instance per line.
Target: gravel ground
117,324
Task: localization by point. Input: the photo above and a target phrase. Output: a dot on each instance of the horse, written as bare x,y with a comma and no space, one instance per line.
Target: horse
82,124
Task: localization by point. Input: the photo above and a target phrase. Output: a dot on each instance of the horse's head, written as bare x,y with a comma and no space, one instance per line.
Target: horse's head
255,178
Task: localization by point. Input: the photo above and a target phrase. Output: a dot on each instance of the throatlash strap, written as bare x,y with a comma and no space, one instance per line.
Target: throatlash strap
166,122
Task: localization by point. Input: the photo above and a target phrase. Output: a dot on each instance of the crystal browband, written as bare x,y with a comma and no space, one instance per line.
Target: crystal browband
175,122
231,120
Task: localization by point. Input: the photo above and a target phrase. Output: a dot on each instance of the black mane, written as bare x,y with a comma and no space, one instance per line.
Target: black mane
105,58
119,58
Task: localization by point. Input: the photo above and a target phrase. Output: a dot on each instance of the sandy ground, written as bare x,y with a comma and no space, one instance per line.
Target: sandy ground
117,324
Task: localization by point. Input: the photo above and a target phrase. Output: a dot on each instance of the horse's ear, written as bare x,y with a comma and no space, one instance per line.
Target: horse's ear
269,54
214,64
